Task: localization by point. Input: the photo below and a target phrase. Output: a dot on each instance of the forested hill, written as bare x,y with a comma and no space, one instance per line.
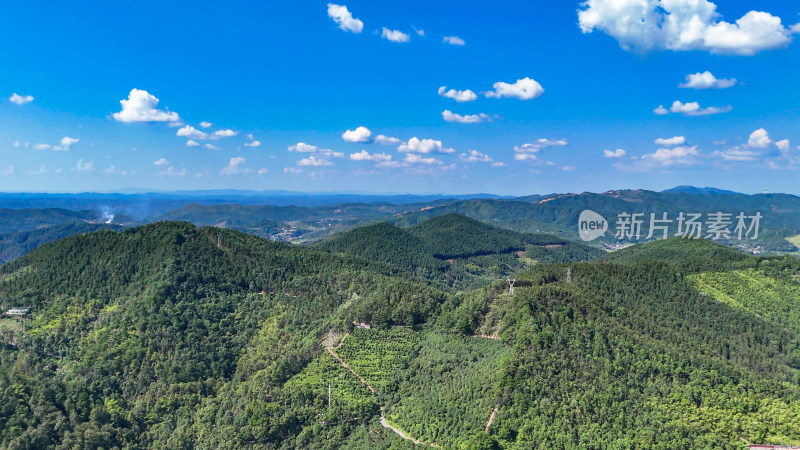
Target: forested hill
558,213
132,332
384,242
458,236
172,336
455,249
14,220
14,245
691,253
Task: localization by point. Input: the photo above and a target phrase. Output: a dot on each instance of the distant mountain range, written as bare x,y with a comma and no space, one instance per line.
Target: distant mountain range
309,217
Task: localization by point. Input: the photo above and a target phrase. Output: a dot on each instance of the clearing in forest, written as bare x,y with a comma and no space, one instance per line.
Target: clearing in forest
378,355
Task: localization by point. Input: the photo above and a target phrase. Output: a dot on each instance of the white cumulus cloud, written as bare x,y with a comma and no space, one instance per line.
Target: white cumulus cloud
66,143
87,166
386,140
415,145
223,133
141,106
707,80
694,109
413,158
234,167
314,161
360,134
536,146
453,40
460,96
475,156
450,116
161,162
344,18
205,124
302,147
759,139
20,99
191,132
664,158
395,35
191,143
677,140
523,89
681,25
364,155
618,153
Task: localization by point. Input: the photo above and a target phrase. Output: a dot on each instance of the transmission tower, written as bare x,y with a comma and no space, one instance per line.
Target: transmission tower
511,282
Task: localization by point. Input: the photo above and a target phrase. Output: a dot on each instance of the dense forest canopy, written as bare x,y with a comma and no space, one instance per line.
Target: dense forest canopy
173,336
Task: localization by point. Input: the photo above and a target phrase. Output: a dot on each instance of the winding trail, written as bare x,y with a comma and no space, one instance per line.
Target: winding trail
384,422
399,432
343,338
491,418
344,364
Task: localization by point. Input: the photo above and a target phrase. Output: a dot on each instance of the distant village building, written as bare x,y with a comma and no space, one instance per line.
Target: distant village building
363,326
17,311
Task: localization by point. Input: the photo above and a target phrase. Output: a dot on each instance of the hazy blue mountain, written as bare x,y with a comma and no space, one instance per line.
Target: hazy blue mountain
698,190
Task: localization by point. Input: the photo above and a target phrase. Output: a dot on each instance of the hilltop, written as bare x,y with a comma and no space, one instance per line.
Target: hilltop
455,249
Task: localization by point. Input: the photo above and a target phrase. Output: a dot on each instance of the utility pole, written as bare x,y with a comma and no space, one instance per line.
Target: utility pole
329,396
219,240
569,275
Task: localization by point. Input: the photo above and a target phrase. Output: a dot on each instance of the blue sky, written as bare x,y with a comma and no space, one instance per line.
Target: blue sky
582,118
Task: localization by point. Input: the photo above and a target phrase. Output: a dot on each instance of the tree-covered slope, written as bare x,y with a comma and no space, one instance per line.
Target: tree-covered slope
384,242
14,245
458,236
172,336
455,250
695,253
634,357
558,213
131,332
15,220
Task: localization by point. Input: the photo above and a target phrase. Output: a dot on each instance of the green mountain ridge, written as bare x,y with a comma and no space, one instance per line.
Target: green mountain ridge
173,336
455,248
